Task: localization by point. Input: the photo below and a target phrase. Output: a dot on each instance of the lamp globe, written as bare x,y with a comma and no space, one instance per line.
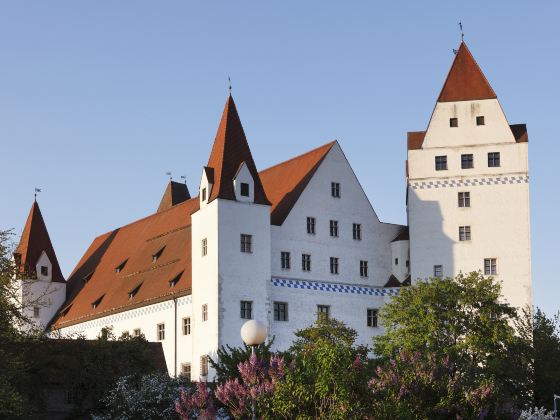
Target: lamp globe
253,332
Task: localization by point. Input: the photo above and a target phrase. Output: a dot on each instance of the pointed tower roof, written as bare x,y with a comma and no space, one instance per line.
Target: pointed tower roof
465,81
34,240
174,194
230,149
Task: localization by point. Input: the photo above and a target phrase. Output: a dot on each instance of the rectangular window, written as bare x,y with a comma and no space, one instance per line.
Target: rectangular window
490,267
280,311
438,271
396,261
244,189
36,311
285,260
323,312
161,332
137,332
357,231
204,312
44,270
71,397
246,243
372,317
187,326
311,225
453,122
203,365
480,120
464,233
464,199
335,189
441,163
334,265
467,161
306,262
334,228
246,309
204,194
363,268
186,370
494,159
204,247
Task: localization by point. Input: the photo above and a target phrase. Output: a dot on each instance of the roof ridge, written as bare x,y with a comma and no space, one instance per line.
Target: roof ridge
331,143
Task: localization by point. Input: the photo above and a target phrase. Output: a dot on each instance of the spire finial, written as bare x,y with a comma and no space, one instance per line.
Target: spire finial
37,190
169,175
229,84
462,33
184,178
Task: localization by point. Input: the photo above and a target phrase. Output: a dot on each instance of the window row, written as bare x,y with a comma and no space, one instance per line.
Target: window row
245,244
333,228
186,367
467,161
454,122
286,264
490,268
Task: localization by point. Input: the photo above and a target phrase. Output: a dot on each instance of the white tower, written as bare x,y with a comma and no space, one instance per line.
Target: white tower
42,288
468,187
230,244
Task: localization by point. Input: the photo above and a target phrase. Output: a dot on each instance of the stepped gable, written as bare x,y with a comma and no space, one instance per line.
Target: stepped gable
465,81
174,194
34,241
124,260
229,151
285,182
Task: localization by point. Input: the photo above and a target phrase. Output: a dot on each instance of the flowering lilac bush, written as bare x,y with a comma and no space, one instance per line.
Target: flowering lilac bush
197,404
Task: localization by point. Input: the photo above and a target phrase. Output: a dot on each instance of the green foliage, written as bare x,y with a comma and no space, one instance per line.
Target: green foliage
327,377
546,342
464,319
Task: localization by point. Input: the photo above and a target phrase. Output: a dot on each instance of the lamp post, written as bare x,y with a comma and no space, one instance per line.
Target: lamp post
253,333
556,397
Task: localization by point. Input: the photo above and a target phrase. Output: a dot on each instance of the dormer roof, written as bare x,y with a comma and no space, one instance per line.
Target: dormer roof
230,149
465,81
34,241
175,193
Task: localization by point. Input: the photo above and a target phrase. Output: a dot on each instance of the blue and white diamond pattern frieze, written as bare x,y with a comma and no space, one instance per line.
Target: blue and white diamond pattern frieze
335,287
449,183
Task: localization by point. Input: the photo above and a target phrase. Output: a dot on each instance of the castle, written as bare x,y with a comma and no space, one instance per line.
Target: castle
300,239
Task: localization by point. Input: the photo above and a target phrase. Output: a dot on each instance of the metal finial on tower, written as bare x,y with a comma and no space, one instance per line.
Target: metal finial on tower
184,178
462,33
37,190
229,84
169,175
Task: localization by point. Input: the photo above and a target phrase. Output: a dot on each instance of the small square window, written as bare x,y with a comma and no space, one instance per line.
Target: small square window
323,312
372,317
464,233
334,265
453,122
186,370
363,268
44,270
464,199
36,311
246,243
311,225
285,260
438,271
204,312
357,231
280,311
204,247
306,262
203,365
334,228
335,189
244,189
161,332
204,194
467,161
137,332
246,309
480,120
490,267
441,163
494,159
187,325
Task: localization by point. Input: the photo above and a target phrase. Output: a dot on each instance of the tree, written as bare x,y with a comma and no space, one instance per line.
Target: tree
466,320
327,377
546,343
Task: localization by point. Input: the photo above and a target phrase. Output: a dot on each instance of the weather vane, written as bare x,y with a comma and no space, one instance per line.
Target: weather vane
169,175
229,83
462,33
184,178
37,190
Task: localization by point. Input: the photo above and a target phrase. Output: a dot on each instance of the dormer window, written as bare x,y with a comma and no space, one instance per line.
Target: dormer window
87,277
44,270
175,280
120,267
133,292
204,194
64,312
96,303
480,120
156,256
244,189
453,122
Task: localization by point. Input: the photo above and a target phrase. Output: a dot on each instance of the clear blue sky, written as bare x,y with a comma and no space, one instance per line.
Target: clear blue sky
99,99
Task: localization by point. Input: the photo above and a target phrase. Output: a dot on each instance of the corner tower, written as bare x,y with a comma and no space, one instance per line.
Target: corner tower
468,187
42,288
230,244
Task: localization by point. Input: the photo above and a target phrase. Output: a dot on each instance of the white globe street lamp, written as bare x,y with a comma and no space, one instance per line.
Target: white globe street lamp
253,333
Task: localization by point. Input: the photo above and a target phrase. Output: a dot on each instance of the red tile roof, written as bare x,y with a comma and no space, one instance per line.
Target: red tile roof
285,182
175,193
34,240
230,149
415,139
465,81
